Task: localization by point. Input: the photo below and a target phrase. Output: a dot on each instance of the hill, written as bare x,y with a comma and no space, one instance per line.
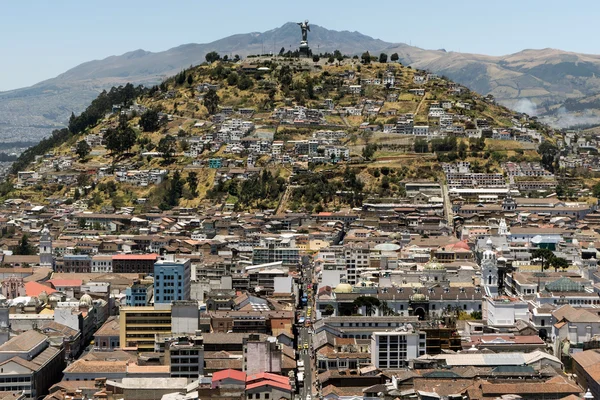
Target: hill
271,134
547,81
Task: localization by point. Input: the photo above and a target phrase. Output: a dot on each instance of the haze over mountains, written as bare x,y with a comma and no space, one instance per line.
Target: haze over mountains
559,84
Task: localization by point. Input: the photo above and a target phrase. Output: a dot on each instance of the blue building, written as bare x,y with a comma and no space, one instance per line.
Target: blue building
139,293
172,281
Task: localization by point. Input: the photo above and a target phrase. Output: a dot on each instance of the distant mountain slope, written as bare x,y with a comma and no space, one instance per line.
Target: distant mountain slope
535,81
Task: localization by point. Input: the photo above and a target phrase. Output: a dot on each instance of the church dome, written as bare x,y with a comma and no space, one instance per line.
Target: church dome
343,288
86,300
418,297
433,264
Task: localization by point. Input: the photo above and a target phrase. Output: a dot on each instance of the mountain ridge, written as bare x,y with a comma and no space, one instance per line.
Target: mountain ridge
535,81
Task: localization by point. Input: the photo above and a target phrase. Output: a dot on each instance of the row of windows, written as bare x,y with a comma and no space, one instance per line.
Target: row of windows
168,291
581,301
19,379
258,396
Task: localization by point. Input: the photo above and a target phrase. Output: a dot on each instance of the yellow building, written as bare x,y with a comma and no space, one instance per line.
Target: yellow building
138,325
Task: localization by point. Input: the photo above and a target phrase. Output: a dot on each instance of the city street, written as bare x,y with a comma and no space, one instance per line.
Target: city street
304,337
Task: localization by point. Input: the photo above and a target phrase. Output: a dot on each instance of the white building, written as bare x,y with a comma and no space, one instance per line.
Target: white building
489,270
421,130
504,311
101,263
394,349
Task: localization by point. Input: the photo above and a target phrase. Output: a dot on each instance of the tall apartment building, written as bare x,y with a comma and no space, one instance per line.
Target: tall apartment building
138,325
185,355
276,249
357,256
172,281
395,348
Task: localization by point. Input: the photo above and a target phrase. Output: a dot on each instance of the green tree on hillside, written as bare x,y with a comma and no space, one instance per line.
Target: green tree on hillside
213,56
338,55
395,57
190,79
167,146
149,121
83,149
180,78
232,79
549,152
120,139
244,82
192,181
211,101
173,193
316,58
421,146
383,58
366,57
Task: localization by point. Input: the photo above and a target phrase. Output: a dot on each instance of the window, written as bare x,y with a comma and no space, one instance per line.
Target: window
267,395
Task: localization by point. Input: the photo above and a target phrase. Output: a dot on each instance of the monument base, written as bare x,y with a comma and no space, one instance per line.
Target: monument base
304,50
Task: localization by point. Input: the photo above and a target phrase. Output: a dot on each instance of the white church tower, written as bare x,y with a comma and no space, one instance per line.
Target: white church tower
489,270
45,249
503,228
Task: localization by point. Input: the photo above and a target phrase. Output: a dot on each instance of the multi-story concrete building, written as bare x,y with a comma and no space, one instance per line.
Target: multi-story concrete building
134,263
394,349
139,293
73,263
172,281
139,325
102,263
28,364
185,355
505,311
276,249
262,355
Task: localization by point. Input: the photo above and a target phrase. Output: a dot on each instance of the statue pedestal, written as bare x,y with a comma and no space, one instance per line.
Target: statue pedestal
304,50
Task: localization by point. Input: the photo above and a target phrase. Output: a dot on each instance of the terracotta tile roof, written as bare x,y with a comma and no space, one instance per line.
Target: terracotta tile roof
109,328
223,363
587,358
24,363
267,376
556,385
66,282
34,289
94,366
443,387
229,373
278,385
23,342
572,314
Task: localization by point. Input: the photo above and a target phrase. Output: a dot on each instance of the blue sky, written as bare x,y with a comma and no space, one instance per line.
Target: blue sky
40,39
